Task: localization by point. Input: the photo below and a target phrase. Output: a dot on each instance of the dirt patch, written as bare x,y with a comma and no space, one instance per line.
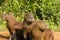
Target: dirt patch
56,35
5,34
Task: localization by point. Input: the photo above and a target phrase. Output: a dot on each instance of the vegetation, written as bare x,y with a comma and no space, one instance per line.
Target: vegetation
49,10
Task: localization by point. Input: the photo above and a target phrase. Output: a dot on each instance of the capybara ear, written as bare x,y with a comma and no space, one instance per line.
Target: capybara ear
11,13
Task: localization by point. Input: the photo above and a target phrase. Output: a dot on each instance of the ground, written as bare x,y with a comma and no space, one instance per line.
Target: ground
6,34
56,35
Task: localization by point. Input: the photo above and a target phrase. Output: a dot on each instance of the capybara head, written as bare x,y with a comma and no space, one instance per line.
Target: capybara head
29,17
42,25
7,16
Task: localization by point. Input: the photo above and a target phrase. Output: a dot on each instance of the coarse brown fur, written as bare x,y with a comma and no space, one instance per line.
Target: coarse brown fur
41,24
48,35
37,34
28,21
11,22
40,31
33,27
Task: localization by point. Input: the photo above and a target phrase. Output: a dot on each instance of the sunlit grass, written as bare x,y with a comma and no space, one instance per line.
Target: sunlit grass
3,26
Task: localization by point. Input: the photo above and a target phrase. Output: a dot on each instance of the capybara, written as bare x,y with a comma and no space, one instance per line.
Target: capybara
29,23
37,34
11,22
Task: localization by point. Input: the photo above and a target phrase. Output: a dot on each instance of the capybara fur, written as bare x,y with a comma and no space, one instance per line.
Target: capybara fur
28,21
28,17
11,23
48,35
37,34
41,24
33,26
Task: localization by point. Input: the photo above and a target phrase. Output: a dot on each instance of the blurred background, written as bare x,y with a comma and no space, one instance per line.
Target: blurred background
48,10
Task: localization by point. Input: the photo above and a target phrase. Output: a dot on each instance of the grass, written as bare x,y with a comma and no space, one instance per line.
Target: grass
3,26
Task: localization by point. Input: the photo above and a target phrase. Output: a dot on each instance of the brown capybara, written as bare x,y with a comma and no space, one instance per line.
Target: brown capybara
11,22
37,34
36,30
29,21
